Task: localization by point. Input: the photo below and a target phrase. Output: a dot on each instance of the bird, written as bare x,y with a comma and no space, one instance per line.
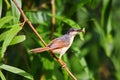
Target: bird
61,44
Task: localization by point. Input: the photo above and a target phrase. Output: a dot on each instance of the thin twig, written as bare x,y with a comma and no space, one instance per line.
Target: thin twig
53,18
66,68
30,24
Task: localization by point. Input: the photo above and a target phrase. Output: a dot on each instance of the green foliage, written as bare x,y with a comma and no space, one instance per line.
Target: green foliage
16,71
94,55
15,11
17,39
2,76
5,20
0,7
9,36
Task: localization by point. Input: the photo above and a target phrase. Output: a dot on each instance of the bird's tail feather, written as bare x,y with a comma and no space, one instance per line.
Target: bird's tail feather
36,50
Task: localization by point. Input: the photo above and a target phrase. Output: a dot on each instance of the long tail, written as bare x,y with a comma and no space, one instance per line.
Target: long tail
36,50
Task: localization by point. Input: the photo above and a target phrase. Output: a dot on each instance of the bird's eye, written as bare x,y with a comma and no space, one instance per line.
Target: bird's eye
72,30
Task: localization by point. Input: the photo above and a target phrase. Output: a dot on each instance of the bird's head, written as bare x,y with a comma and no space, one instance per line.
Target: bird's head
74,31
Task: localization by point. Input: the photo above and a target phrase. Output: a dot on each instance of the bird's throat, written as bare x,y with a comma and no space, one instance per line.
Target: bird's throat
71,40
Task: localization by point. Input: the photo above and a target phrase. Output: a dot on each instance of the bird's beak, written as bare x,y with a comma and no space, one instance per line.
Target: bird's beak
81,30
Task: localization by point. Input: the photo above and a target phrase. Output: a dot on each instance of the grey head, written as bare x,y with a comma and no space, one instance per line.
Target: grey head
76,30
73,31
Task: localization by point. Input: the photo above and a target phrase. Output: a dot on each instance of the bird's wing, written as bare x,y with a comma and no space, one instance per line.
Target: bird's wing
58,43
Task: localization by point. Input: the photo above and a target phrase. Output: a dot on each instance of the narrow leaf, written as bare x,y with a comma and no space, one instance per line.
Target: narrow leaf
7,4
15,11
3,35
84,64
17,39
82,61
2,76
5,20
109,25
0,8
10,26
12,32
16,71
105,13
79,4
68,21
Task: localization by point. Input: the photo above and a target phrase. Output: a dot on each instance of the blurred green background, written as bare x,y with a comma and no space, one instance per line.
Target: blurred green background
97,57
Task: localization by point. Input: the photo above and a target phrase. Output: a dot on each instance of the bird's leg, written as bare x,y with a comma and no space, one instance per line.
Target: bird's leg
60,56
63,64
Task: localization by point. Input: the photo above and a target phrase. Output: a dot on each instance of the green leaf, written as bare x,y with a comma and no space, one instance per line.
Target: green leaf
80,64
82,60
108,45
0,8
46,62
10,26
107,42
17,39
8,38
105,12
3,35
98,28
16,71
36,17
109,25
15,11
94,3
68,21
78,5
7,4
2,76
5,20
84,64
